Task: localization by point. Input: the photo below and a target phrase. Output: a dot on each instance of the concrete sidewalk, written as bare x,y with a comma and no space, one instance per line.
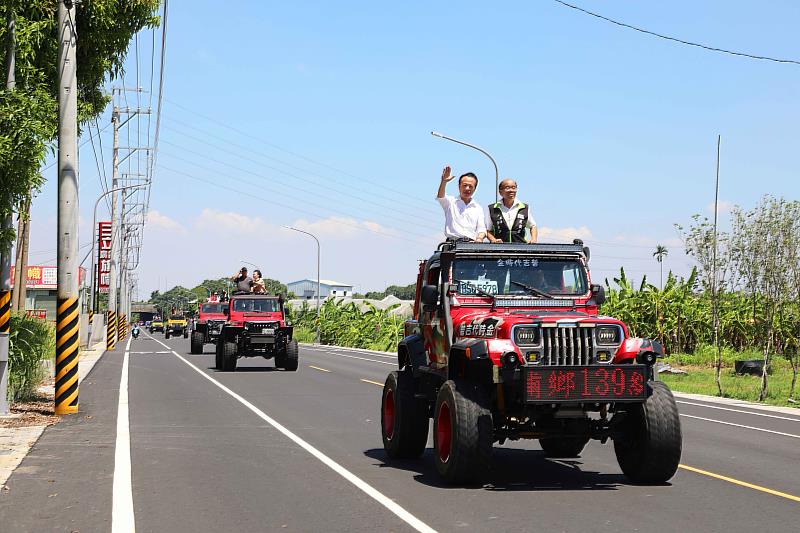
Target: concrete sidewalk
15,443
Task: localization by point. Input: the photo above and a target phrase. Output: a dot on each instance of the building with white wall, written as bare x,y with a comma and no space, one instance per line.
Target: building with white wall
307,288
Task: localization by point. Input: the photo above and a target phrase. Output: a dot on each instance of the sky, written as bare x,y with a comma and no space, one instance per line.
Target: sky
317,115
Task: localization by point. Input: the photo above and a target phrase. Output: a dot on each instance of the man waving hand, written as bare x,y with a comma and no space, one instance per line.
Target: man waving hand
463,217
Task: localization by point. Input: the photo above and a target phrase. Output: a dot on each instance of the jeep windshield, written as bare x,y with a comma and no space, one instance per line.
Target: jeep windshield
176,317
260,305
212,308
516,276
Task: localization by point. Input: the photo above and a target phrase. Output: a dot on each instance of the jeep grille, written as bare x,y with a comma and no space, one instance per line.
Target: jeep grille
256,327
567,346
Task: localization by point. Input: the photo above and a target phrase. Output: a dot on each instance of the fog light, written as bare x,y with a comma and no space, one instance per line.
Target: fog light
532,357
646,358
603,357
510,360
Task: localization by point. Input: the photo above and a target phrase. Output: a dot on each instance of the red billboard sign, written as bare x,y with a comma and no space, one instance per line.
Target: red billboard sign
103,256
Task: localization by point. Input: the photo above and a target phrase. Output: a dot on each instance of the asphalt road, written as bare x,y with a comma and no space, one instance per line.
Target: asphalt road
267,450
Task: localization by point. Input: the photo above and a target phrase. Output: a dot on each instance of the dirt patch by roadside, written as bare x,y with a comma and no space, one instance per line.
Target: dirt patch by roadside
37,411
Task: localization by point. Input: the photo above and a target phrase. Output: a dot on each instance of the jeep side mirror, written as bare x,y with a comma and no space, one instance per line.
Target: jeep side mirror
598,294
225,311
429,295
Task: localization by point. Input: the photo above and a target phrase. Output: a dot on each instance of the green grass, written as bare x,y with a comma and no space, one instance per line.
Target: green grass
700,378
303,334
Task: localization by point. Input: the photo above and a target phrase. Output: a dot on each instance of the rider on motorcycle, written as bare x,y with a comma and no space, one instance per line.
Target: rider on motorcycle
135,331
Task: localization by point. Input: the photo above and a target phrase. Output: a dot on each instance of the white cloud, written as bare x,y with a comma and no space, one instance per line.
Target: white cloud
229,222
158,221
723,205
563,234
343,227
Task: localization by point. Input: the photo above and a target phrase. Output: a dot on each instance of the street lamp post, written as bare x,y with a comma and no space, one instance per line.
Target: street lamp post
91,252
481,150
318,253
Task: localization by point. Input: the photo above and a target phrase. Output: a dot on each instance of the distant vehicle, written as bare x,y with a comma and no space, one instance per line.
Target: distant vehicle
506,343
207,327
156,325
147,323
256,327
177,325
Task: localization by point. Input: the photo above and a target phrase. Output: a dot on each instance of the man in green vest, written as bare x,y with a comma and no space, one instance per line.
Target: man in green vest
508,220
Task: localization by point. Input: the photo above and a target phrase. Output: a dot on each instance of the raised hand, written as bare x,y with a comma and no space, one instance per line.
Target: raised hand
446,176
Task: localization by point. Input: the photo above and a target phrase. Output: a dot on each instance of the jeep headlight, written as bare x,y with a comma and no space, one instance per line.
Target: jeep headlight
608,335
527,336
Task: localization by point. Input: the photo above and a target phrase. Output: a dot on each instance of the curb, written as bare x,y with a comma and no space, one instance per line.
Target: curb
685,395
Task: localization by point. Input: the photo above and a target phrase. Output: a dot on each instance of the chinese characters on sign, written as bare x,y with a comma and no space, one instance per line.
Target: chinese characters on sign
588,383
103,256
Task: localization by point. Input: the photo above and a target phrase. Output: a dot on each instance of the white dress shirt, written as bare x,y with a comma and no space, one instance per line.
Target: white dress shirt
460,219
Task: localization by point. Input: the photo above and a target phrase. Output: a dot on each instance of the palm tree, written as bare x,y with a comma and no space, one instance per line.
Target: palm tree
660,253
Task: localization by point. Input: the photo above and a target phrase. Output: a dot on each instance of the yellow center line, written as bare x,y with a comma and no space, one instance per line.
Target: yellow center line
741,483
373,382
318,368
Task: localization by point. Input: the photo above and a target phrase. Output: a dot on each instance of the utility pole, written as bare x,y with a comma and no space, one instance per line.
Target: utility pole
112,284
5,259
67,338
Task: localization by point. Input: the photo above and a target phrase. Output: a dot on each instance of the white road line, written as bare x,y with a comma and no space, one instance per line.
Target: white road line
739,411
743,426
361,358
394,357
368,489
122,517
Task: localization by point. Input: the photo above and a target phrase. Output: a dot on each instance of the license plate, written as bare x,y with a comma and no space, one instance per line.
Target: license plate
586,384
268,331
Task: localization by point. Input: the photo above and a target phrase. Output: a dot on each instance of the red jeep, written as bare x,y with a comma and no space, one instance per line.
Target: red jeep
256,327
210,317
506,343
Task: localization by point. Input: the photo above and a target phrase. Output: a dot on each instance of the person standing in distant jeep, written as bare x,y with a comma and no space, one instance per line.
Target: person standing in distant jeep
507,220
463,217
243,282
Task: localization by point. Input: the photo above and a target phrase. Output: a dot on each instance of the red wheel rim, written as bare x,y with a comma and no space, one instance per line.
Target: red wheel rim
388,414
444,433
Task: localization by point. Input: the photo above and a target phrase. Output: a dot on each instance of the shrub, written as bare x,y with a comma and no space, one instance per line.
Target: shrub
31,341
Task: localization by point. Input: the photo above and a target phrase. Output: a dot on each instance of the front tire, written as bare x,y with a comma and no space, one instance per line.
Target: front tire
291,357
229,357
404,419
463,433
649,447
196,345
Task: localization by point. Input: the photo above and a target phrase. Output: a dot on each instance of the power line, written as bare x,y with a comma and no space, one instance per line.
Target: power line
283,196
366,203
675,39
241,132
287,206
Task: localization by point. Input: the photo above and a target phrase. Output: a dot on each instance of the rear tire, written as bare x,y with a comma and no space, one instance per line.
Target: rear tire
463,433
291,356
649,447
185,333
229,357
564,448
166,334
404,419
196,345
